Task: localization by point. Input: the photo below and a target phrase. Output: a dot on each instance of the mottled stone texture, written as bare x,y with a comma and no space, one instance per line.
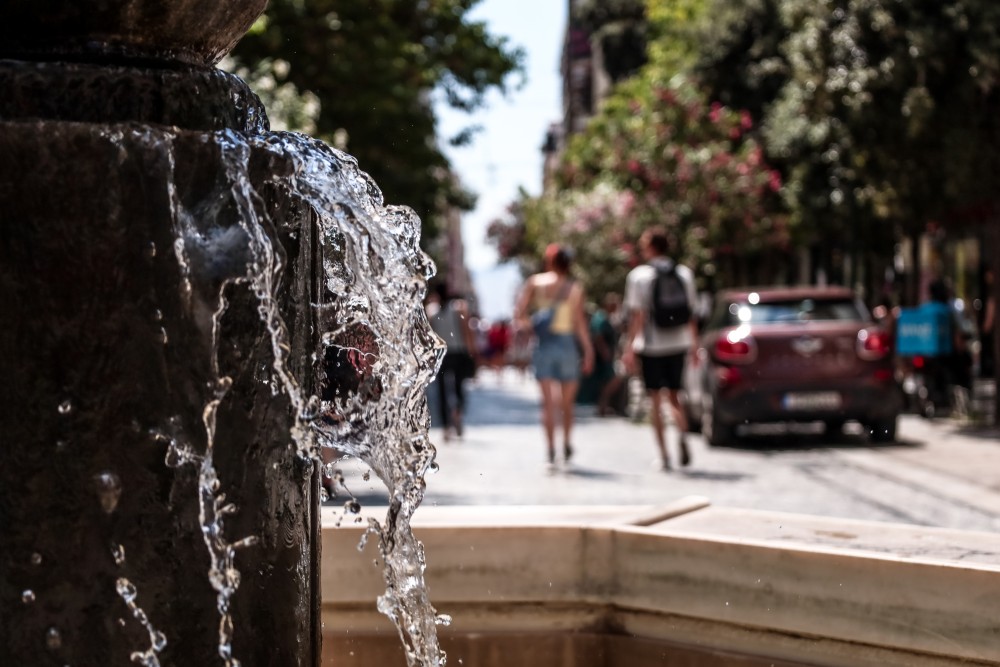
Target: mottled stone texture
105,356
86,382
193,98
171,31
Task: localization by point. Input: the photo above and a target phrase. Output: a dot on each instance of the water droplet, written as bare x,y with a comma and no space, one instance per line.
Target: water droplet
109,490
53,640
151,250
36,559
118,552
157,315
62,444
66,407
352,506
126,589
443,619
163,336
28,596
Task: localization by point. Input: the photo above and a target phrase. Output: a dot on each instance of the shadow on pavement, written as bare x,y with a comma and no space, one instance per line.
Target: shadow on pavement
809,437
712,476
979,432
588,473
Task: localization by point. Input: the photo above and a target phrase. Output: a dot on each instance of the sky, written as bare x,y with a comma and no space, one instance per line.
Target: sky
506,153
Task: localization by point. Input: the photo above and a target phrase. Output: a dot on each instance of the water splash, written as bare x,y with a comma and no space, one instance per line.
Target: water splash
157,640
377,411
377,352
108,487
53,639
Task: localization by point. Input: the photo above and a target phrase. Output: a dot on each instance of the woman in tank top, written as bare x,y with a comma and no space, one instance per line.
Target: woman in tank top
564,351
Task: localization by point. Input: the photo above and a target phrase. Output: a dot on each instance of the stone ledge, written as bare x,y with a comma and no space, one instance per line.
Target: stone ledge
817,590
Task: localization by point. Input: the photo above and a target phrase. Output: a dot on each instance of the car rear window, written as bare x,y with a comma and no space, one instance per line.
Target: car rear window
791,310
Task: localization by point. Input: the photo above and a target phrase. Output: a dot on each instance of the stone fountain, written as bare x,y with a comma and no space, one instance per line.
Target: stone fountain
191,309
193,305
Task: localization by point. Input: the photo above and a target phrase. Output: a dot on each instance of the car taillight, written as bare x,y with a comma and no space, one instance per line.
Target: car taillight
884,374
873,344
728,376
736,347
919,362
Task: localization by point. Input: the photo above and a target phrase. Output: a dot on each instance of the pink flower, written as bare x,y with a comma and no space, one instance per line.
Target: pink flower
774,181
746,122
716,113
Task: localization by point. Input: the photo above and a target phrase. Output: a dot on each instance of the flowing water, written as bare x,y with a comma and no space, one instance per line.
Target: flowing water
376,353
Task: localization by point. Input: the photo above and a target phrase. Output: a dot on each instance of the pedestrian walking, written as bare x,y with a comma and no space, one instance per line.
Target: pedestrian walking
449,318
662,330
551,305
614,395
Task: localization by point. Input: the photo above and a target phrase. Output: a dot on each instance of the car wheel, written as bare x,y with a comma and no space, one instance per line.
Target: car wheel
717,434
834,426
883,431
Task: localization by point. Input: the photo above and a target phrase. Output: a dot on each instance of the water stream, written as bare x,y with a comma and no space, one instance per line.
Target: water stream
375,355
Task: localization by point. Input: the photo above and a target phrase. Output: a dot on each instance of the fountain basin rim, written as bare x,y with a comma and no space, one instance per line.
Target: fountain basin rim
865,595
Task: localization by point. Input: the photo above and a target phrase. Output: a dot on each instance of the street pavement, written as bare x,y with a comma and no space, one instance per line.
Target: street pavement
940,473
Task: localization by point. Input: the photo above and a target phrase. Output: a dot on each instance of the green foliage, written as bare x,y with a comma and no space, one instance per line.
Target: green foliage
657,153
372,66
740,59
675,35
875,109
682,163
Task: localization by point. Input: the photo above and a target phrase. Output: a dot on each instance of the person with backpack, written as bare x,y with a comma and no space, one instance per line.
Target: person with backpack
660,298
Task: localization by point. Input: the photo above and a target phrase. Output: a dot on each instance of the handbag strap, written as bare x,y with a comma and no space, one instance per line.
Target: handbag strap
563,291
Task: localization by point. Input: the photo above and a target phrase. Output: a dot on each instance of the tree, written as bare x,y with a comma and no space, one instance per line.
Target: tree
658,153
683,163
873,110
373,66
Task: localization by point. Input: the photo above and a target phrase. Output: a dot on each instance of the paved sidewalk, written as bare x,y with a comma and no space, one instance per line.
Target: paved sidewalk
501,461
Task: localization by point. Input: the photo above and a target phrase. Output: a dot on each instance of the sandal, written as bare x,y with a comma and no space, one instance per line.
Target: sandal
685,454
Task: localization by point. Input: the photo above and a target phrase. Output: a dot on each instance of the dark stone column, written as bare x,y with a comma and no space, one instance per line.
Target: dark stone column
106,355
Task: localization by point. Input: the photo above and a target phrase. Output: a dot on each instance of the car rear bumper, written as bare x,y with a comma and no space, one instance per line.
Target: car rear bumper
866,403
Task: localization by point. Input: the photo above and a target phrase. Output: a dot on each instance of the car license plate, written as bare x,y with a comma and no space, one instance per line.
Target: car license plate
815,400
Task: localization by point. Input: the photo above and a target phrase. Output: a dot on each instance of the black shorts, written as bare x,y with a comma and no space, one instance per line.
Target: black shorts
662,372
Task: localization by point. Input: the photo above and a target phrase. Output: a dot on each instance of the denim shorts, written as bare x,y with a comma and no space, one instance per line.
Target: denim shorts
557,358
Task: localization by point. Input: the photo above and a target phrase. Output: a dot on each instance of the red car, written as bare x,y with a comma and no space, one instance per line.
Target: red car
792,354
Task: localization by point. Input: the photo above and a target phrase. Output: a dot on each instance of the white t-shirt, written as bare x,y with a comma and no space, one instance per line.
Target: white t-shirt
639,295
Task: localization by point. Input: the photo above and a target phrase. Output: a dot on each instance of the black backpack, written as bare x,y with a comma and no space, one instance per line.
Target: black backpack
670,301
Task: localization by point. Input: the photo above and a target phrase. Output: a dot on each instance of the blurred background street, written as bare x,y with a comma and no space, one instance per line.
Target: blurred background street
942,472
